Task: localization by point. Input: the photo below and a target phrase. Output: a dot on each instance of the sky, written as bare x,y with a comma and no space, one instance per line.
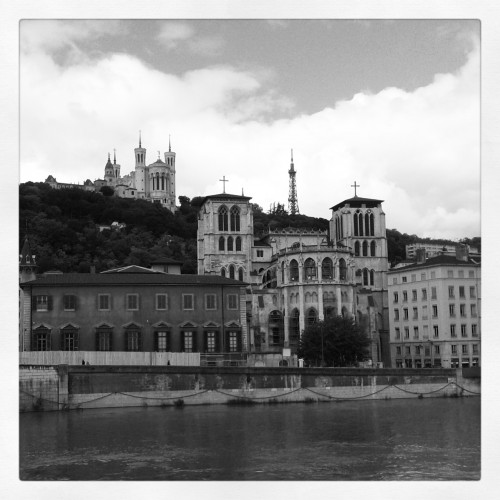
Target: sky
391,105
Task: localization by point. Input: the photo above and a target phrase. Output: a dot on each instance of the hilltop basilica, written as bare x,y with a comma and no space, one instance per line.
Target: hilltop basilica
154,182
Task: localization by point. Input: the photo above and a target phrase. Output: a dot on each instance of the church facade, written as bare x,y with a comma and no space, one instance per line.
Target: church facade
154,182
297,277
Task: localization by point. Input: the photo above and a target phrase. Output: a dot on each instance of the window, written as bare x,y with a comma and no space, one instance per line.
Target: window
210,301
437,350
413,277
223,223
396,297
233,341
342,270
132,301
433,293
417,350
405,296
294,326
104,302
230,244
424,312
451,307
424,293
187,301
453,349
223,272
394,281
451,292
69,302
474,330
453,332
103,339
309,269
475,349
222,244
450,273
161,341
327,269
235,219
161,301
405,313
133,337
294,270
398,333
232,301
407,351
461,292
231,272
422,276
398,350
471,274
414,295
433,274
69,339
463,313
42,303
365,248
426,332
276,328
357,249
41,337
472,292
461,274
396,314
473,310
407,332
436,331
260,253
465,349
404,279
211,341
434,311
372,249
415,313
415,332
240,274
188,342
311,316
238,244
463,330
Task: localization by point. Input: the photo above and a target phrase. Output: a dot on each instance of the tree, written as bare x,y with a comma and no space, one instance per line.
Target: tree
107,191
337,341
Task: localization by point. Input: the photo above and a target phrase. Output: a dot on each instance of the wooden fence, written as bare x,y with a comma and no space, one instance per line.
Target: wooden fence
109,358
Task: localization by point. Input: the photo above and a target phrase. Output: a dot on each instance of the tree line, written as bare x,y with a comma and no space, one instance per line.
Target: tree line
69,229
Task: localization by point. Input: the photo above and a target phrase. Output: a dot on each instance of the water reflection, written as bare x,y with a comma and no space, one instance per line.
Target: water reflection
397,439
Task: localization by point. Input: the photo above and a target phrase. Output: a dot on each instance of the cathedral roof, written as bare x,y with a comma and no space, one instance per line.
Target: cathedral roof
357,202
26,258
225,197
157,162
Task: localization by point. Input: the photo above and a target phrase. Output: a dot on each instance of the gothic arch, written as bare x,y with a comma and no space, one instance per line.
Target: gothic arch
294,270
223,218
372,249
310,271
235,218
327,269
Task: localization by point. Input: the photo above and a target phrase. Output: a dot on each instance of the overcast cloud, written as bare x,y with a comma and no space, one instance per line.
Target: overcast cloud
417,149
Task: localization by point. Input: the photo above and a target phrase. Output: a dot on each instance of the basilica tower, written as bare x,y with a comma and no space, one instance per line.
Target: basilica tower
140,169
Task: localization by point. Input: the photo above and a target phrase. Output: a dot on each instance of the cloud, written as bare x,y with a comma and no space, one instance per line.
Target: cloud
418,151
177,34
173,32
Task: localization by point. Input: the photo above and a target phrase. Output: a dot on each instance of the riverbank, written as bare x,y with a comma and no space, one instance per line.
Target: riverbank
63,387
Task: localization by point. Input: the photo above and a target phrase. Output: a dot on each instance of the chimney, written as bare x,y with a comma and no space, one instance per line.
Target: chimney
462,252
420,253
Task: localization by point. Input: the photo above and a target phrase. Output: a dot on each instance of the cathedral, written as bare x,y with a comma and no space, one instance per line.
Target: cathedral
153,182
300,276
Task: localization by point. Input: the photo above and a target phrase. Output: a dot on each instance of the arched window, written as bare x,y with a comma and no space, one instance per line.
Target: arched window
327,269
365,249
356,249
294,270
329,312
41,339
309,269
222,244
235,219
372,249
157,180
282,272
240,274
372,224
223,218
311,316
339,228
358,223
238,244
230,244
367,224
223,272
294,326
163,183
342,270
231,272
276,328
365,277
372,277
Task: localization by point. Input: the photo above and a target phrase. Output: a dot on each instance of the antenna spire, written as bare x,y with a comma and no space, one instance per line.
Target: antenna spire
293,203
140,139
114,159
169,147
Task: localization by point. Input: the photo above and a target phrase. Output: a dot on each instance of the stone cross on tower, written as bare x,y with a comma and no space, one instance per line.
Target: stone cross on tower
223,180
355,186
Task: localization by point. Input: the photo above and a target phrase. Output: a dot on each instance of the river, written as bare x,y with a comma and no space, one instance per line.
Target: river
412,439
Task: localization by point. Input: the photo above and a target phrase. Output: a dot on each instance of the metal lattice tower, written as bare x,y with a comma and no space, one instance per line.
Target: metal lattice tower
293,203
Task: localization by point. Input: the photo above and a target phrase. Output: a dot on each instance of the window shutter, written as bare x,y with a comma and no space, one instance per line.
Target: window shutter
195,341
156,341
49,340
49,302
217,341
138,301
110,301
239,341
61,340
194,301
182,341
110,339
77,339
33,302
76,302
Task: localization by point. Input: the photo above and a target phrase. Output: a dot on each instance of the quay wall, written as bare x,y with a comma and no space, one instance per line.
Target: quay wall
62,387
